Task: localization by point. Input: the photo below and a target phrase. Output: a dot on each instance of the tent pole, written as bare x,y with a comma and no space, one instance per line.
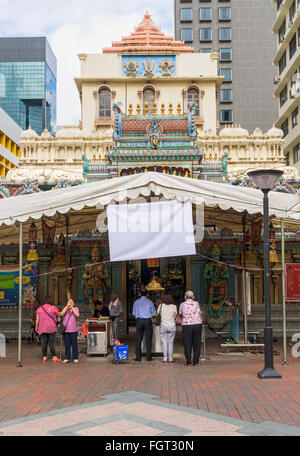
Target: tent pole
20,295
67,292
244,282
284,361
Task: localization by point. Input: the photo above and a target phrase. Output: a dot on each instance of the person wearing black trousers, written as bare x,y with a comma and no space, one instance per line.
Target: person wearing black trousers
190,312
143,310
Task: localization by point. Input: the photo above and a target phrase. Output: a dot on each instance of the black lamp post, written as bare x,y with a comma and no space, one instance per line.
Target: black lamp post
265,180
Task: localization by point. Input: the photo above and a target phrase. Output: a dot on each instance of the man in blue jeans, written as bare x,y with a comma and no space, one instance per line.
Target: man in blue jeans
143,310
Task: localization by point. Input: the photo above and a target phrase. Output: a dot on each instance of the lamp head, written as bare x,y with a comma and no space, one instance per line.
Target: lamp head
265,179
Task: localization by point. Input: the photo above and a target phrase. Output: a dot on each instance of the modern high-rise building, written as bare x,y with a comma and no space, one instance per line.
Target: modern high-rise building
240,31
287,59
10,135
28,82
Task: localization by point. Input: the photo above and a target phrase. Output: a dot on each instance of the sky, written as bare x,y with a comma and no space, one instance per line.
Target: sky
78,26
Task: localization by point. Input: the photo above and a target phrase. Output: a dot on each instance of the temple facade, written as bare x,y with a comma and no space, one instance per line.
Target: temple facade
148,104
145,79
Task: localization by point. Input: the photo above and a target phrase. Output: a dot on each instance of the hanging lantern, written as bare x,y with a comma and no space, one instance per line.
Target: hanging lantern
32,253
272,244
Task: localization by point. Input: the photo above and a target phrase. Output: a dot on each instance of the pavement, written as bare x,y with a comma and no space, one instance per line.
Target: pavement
220,396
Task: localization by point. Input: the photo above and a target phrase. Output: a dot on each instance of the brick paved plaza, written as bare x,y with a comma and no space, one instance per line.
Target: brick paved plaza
223,391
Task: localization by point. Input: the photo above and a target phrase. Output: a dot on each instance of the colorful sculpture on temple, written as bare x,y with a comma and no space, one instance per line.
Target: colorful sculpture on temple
166,68
48,234
86,161
256,231
118,119
61,250
32,252
224,163
95,275
148,67
154,134
216,275
272,244
29,295
131,68
191,122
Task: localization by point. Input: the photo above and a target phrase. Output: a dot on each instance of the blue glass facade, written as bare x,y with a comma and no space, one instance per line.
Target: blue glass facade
28,87
50,99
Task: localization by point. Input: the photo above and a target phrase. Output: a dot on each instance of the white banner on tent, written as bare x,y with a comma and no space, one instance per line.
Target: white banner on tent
150,230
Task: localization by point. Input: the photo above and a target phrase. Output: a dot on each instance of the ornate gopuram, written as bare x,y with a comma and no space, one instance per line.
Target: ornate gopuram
148,103
162,143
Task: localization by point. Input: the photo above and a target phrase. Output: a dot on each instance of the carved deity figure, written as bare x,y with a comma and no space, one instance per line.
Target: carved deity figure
154,137
224,163
86,161
95,275
29,294
166,67
131,68
216,275
61,250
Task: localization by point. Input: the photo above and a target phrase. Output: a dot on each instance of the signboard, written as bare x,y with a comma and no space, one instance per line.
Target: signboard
9,285
150,230
292,274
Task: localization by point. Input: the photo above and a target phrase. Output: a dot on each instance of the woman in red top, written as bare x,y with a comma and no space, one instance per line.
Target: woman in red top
46,328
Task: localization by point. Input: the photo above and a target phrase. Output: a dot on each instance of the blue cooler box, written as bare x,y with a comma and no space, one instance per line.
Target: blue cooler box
120,351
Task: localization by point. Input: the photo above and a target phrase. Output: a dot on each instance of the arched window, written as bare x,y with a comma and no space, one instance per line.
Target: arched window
104,103
193,97
149,100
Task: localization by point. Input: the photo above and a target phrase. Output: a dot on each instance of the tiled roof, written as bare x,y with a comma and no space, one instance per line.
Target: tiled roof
147,38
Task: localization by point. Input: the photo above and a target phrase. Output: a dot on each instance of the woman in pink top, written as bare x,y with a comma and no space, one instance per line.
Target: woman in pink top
190,312
70,314
45,326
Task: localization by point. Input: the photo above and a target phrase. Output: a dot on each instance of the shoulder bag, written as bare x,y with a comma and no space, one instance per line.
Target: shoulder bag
55,321
61,329
157,320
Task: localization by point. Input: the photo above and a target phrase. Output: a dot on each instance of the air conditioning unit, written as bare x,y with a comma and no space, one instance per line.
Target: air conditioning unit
276,80
290,23
281,39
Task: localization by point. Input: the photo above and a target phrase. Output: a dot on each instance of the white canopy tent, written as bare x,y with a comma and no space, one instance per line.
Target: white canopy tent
225,205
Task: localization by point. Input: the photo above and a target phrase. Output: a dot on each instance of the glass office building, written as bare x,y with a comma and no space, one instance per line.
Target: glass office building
28,71
240,31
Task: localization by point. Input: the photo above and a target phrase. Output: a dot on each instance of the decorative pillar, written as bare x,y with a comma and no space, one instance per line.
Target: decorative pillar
78,263
257,280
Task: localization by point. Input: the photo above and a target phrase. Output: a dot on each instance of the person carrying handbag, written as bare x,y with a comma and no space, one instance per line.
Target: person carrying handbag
168,312
45,326
70,330
190,312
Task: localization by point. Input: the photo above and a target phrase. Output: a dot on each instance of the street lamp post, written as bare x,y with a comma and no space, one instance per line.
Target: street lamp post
265,180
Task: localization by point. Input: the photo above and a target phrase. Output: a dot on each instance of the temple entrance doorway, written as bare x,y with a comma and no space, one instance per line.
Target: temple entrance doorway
170,273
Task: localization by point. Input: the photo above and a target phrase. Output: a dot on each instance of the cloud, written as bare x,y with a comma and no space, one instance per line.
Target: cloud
75,26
